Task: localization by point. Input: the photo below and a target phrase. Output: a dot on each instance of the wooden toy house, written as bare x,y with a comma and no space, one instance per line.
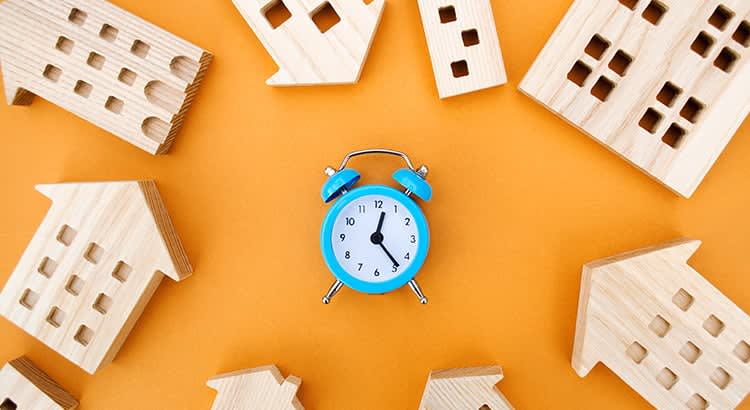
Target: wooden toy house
23,386
663,329
662,83
103,64
259,388
464,389
91,268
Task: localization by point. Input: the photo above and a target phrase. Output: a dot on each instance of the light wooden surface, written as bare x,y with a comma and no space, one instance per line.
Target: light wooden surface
103,64
24,386
92,267
304,54
260,388
663,329
464,389
659,89
463,44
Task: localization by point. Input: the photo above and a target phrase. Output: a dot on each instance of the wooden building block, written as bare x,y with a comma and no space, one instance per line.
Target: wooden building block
24,386
463,44
91,268
103,64
464,389
314,42
662,83
260,388
663,329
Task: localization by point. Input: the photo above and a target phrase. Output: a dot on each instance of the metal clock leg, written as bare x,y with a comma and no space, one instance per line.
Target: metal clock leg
335,288
418,291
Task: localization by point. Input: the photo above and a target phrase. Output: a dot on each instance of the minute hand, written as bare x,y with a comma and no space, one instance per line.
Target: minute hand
395,263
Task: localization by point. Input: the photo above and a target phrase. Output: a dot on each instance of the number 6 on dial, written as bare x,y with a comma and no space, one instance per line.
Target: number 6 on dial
375,238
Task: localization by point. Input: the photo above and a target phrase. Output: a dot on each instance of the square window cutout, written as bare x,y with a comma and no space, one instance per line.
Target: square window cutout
660,326
597,47
460,69
140,48
122,271
721,378
683,300
8,404
276,13
651,120
668,94
52,73
447,14
742,35
83,88
470,37
702,44
325,17
603,88
726,60
673,136
66,235
637,352
721,17
84,335
697,402
742,351
667,378
714,326
654,12
579,73
77,17
56,317
629,3
690,352
29,299
47,267
620,63
692,110
94,253
109,33
127,76
114,104
75,285
65,44
102,304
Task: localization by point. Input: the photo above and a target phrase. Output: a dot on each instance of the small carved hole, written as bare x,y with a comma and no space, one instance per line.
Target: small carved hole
102,303
667,378
140,48
742,351
690,352
597,47
447,14
603,88
52,73
94,253
56,317
277,14
47,267
184,68
460,69
637,352
697,402
83,88
692,110
109,33
702,44
325,17
742,35
75,285
66,235
96,60
714,326
579,73
77,17
631,4
126,76
8,404
84,335
673,136
29,299
683,300
654,12
721,17
122,271
651,120
668,94
65,44
660,326
114,104
721,378
620,63
470,37
726,60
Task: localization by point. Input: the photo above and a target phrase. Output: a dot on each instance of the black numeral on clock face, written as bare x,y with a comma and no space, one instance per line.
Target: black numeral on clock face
407,221
350,221
378,204
362,209
377,272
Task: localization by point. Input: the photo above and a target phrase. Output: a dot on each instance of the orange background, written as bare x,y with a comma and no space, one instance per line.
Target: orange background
522,200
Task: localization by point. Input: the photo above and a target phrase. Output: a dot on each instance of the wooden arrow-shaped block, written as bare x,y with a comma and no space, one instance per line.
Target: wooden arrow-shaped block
260,388
663,329
101,63
308,53
464,389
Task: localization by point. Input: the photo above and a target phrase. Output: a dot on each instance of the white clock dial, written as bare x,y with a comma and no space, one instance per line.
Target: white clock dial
370,254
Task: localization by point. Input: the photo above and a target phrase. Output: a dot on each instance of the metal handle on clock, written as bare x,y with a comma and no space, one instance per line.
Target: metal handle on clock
422,171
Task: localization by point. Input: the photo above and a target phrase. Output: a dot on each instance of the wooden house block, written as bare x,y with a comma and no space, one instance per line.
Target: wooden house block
663,329
260,388
23,386
464,389
103,64
463,44
91,268
314,42
662,83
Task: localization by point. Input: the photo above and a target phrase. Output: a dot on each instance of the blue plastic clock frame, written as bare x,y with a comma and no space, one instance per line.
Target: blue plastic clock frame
402,279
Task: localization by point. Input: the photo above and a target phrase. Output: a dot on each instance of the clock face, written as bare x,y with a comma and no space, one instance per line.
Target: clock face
375,238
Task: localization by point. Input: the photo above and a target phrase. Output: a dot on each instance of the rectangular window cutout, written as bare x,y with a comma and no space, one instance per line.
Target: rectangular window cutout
56,317
75,285
673,136
127,76
52,73
277,14
637,352
654,12
597,47
114,104
742,35
29,299
84,335
447,14
102,303
702,44
460,69
620,63
47,267
692,110
325,17
721,17
470,37
690,352
122,271
109,33
683,300
631,4
667,378
726,60
94,253
579,73
668,94
721,378
77,17
66,235
603,88
714,326
651,120
83,88
8,404
742,351
697,402
140,48
64,44
95,60
660,326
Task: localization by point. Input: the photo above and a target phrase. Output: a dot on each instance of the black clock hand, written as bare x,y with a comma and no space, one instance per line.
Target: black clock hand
380,222
377,239
395,263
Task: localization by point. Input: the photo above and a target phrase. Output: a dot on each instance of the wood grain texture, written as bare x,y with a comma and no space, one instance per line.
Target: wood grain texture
464,389
663,329
463,44
103,64
304,54
663,84
25,386
260,388
91,268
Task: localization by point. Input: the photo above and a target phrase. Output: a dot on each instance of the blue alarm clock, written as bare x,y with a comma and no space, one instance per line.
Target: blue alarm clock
375,238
